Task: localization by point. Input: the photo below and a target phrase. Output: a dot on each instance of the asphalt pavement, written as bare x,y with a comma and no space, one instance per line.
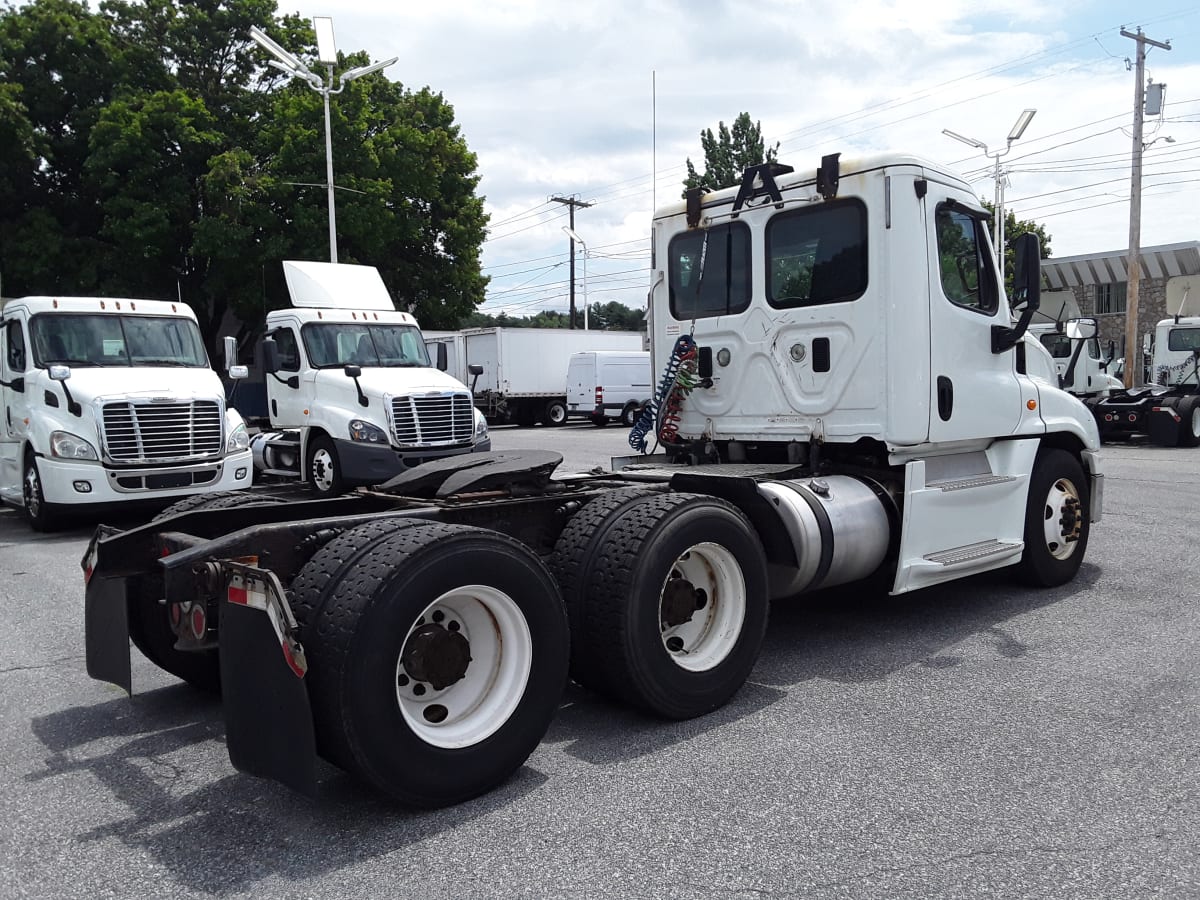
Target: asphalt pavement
975,739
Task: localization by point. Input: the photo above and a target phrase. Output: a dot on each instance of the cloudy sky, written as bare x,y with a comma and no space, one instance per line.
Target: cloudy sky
604,101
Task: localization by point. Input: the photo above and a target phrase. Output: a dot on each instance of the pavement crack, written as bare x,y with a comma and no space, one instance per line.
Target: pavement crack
46,665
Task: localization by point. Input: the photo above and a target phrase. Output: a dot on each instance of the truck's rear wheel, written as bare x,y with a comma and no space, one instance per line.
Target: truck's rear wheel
324,469
436,662
1057,520
677,597
150,626
630,414
554,412
572,564
321,574
1189,428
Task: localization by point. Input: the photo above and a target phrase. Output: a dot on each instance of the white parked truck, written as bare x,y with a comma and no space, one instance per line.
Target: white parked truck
1168,410
110,401
352,397
843,396
1082,368
522,377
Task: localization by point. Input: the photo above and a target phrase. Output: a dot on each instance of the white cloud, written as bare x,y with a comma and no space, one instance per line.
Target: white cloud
556,99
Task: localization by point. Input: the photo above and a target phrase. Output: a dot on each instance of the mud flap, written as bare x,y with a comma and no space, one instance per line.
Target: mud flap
268,719
106,632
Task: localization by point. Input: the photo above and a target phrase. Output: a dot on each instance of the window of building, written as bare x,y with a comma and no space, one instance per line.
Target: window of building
1110,298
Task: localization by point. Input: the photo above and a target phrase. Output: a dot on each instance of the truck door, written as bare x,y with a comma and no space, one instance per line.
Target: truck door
975,393
286,404
14,360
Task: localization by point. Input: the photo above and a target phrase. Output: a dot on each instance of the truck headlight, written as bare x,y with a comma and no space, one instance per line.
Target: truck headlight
365,431
238,439
481,428
65,445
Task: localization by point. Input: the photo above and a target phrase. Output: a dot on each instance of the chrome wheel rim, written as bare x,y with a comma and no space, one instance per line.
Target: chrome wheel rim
33,491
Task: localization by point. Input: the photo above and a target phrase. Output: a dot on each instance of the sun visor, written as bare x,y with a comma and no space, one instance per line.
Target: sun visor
335,286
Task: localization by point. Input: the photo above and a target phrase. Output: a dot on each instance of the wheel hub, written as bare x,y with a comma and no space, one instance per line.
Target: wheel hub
680,601
436,655
1071,520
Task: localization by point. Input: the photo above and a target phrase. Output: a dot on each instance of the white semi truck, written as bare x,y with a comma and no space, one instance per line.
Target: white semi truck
110,401
352,397
1081,366
843,397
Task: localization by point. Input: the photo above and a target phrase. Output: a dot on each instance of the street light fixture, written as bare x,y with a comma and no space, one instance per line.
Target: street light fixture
573,235
293,67
1014,134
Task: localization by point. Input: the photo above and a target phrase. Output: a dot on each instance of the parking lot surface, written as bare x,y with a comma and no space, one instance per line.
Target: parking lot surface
976,739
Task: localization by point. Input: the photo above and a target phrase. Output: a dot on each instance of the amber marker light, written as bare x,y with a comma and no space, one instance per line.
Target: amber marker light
1032,404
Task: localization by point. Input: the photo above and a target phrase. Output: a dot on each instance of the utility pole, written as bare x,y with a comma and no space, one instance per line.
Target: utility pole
1133,361
571,203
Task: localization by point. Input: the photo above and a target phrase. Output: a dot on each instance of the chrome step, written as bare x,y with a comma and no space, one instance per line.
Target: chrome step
972,552
974,481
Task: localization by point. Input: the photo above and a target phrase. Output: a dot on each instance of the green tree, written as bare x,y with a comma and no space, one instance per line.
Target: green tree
150,151
1013,229
729,153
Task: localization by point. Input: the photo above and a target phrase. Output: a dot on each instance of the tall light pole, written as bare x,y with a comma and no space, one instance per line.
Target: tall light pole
291,65
1014,133
570,232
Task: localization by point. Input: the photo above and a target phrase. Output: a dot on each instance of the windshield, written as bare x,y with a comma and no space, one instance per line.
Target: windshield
1184,339
76,339
386,346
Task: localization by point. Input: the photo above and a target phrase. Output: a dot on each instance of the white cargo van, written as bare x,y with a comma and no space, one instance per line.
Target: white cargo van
110,400
608,384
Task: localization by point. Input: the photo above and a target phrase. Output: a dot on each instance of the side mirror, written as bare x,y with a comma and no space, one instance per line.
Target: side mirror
1147,342
238,372
230,344
60,373
475,369
270,356
353,371
442,362
1027,290
1081,329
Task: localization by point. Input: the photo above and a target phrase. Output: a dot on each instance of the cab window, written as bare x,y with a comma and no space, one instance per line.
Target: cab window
15,344
817,255
709,271
289,349
965,259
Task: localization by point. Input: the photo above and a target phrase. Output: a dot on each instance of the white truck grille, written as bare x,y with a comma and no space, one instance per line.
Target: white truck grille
160,432
433,420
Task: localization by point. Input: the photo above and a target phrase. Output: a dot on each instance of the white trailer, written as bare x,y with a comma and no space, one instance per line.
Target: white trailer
110,401
843,396
524,370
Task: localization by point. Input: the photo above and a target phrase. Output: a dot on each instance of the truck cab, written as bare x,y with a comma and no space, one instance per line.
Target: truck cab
1083,373
352,396
855,315
110,401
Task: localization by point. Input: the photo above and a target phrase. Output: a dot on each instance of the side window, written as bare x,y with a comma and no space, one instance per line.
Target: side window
817,255
966,267
709,271
15,344
289,349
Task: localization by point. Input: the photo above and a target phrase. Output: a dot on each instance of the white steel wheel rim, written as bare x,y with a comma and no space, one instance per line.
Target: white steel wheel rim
33,500
1062,498
1196,420
475,706
558,414
709,636
322,469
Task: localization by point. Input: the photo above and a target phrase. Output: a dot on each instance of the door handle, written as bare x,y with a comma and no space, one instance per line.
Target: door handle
945,397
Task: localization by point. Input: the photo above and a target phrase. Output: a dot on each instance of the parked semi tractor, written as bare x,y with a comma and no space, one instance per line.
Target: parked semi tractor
843,397
1168,410
352,397
519,375
110,401
1081,367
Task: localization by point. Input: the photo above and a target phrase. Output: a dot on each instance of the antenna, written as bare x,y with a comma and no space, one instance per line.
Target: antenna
653,143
